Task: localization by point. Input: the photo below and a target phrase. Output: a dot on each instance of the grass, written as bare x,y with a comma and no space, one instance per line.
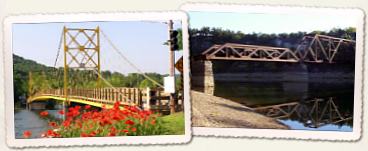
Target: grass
174,123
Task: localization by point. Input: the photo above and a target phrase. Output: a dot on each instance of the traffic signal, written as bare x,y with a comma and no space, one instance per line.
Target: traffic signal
174,40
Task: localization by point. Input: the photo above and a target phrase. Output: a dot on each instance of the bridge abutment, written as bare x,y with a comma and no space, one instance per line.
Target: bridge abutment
37,106
202,76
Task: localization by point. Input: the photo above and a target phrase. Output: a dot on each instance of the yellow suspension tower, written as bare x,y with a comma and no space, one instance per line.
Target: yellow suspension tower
81,51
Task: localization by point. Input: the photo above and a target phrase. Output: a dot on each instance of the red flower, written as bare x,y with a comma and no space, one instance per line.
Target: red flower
84,121
83,135
77,107
90,126
117,116
133,109
153,122
87,107
51,133
78,123
73,112
124,112
93,133
86,115
44,113
105,121
66,123
116,105
125,131
112,131
61,112
134,129
27,134
52,124
129,122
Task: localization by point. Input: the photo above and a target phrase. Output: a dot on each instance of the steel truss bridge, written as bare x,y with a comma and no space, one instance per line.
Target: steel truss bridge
314,49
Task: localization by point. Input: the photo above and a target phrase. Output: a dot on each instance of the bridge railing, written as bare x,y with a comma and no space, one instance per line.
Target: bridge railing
146,98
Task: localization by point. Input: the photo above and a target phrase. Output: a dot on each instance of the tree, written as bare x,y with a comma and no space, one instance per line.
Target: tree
180,39
146,83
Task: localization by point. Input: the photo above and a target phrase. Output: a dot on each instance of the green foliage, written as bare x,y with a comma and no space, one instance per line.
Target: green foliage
21,68
146,83
180,39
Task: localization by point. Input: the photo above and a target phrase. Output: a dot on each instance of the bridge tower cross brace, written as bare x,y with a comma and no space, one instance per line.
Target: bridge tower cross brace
81,51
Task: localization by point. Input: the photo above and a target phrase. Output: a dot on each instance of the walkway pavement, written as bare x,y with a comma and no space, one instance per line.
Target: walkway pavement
212,111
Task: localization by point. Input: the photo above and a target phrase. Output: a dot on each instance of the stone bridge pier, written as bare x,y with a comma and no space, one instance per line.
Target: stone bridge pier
202,76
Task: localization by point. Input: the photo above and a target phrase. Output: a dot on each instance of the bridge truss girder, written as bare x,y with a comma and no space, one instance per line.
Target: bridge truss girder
320,48
312,49
230,51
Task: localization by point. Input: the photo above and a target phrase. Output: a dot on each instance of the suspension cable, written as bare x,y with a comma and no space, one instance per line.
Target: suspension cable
59,48
57,71
128,61
104,80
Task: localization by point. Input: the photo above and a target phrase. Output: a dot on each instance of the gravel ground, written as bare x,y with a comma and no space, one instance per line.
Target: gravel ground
212,111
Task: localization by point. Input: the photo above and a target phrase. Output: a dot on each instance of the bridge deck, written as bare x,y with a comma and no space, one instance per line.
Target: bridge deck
154,99
77,100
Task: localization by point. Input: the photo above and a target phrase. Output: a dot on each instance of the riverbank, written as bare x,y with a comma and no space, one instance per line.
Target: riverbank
212,111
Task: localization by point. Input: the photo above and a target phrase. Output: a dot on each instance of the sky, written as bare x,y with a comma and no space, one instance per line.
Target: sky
140,41
328,127
271,23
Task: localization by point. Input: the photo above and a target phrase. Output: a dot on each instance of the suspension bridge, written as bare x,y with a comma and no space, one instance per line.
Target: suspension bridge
81,52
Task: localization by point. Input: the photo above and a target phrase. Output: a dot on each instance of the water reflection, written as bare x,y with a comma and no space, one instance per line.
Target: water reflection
315,113
300,105
30,120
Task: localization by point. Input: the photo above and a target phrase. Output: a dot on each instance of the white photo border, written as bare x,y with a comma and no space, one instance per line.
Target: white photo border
355,135
88,17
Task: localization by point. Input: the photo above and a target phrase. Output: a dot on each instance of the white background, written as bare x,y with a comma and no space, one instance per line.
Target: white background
13,7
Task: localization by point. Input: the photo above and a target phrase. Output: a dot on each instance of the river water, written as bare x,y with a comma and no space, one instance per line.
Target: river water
30,120
304,105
